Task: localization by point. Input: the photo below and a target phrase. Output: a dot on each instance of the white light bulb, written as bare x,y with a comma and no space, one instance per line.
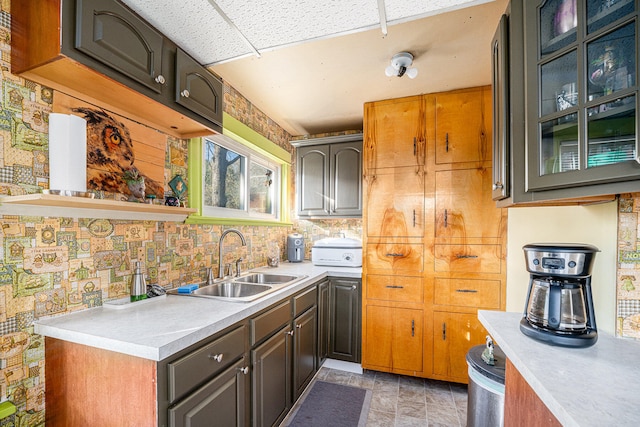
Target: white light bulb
412,73
390,71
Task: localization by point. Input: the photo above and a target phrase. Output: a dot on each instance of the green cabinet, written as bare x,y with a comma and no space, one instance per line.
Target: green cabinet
110,33
574,120
329,176
344,327
284,355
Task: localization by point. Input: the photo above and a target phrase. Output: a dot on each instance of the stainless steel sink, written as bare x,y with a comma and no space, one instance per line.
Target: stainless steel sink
231,290
244,288
266,278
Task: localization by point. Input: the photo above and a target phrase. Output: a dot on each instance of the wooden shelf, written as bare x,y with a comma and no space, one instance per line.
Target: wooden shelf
84,207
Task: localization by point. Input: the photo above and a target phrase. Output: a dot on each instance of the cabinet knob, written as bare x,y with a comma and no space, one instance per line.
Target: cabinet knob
354,287
497,186
216,357
290,333
245,370
185,93
299,326
160,79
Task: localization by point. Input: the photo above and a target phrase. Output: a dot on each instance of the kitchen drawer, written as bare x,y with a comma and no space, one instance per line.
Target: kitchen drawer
190,370
467,293
398,257
395,288
304,300
268,322
468,258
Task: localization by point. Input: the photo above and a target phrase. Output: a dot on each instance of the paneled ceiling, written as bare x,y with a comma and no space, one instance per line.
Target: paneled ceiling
311,64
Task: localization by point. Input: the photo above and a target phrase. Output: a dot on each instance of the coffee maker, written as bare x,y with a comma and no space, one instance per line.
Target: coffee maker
559,307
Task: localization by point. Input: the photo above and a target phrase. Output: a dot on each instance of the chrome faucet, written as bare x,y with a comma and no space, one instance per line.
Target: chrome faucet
222,236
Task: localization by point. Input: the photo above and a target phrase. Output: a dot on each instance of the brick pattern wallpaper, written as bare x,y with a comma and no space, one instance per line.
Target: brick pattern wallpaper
53,266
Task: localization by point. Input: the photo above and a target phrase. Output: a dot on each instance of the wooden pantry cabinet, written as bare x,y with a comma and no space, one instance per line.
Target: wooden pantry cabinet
435,244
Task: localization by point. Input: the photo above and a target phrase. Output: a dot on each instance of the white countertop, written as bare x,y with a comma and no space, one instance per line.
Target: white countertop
163,326
593,386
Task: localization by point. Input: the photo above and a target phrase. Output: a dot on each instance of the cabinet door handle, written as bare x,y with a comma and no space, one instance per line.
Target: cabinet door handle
245,370
469,291
160,79
497,186
393,254
415,148
444,332
290,333
447,142
446,218
414,218
413,328
462,256
354,287
395,287
298,326
216,357
185,93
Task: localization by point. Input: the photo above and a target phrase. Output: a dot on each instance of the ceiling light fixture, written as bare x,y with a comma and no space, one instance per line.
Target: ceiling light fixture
401,65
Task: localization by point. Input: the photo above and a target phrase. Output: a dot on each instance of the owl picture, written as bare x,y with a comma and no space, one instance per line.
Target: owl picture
110,154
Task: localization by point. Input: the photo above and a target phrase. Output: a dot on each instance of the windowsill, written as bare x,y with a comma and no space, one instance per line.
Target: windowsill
198,219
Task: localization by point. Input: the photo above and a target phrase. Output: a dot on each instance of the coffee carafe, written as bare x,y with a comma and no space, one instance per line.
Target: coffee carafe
559,307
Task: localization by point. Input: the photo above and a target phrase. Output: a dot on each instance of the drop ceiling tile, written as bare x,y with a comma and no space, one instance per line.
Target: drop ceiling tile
402,10
269,23
195,26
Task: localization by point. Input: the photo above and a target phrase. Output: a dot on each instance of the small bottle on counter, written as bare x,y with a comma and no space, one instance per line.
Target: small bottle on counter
138,284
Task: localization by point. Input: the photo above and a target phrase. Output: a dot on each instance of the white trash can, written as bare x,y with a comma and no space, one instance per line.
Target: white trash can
485,404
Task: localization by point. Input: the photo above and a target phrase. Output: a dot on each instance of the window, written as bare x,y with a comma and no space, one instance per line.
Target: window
237,180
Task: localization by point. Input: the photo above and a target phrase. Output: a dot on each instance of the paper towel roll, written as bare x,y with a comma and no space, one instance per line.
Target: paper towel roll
67,152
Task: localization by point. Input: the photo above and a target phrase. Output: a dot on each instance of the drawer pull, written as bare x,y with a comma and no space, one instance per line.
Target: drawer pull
445,218
216,357
414,146
394,254
395,287
245,370
461,256
444,332
414,218
447,142
413,328
469,291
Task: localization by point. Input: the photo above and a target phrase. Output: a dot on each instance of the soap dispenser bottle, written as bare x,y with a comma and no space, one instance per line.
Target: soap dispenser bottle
138,285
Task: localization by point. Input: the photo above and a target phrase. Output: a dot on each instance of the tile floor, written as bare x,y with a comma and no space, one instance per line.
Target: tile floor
401,401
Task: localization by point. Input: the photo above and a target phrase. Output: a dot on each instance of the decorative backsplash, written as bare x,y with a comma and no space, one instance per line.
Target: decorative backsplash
628,271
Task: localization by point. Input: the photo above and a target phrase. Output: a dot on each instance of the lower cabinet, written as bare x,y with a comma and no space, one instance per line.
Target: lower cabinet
223,399
271,379
344,319
284,354
249,374
453,335
394,339
323,321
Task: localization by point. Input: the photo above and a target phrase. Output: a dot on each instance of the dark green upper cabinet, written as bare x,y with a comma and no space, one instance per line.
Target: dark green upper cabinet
582,95
329,176
113,35
197,89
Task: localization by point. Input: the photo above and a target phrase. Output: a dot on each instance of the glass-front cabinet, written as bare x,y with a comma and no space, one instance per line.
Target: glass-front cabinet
581,60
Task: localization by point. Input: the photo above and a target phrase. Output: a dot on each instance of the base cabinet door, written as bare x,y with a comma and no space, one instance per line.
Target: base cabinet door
223,399
453,335
393,338
271,384
305,341
344,320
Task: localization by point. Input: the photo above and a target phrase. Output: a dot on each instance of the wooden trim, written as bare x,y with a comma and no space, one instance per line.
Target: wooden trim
81,382
522,406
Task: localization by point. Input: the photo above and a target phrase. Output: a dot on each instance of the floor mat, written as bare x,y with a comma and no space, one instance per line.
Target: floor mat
335,405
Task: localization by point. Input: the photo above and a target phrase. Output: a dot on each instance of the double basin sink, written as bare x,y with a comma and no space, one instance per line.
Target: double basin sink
244,288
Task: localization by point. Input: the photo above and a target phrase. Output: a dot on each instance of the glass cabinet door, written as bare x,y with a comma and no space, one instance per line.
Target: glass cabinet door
582,124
